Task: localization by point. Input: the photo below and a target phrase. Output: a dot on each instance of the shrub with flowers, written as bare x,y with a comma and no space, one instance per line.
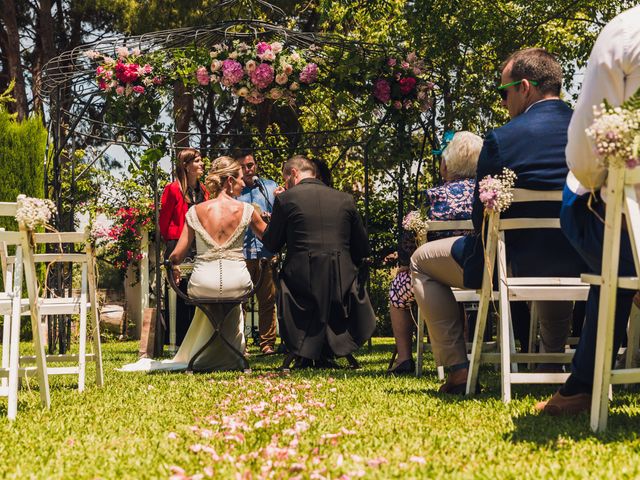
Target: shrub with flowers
615,132
121,241
496,192
258,72
402,85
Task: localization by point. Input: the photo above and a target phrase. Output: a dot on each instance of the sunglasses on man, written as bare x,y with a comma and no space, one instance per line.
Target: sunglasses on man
502,89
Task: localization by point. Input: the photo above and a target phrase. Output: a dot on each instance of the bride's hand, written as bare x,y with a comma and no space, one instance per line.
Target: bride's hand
176,273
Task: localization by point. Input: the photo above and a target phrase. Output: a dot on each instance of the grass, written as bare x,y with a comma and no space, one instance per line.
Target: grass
310,424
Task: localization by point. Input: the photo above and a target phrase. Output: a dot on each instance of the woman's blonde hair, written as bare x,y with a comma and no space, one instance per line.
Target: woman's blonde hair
184,158
221,169
461,155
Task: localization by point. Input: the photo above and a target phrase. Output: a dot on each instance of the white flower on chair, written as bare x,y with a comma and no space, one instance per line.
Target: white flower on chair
34,212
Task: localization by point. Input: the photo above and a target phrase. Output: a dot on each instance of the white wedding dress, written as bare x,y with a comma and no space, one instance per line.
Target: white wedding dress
219,272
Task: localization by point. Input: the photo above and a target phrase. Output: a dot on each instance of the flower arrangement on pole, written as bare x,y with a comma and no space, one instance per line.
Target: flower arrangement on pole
264,71
402,85
416,221
496,191
615,132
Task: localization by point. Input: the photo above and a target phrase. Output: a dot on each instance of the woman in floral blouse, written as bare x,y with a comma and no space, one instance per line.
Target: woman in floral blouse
450,201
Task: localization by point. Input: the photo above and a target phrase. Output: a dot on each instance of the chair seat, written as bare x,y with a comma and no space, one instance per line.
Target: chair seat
546,292
58,305
627,283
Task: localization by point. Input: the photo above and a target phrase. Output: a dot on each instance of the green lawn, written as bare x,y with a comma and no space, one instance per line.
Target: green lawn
310,424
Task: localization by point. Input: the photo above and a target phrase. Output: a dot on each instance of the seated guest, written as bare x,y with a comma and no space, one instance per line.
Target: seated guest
450,201
612,74
532,145
187,190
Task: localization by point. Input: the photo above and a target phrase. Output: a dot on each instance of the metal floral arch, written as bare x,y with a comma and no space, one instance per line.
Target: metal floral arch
77,107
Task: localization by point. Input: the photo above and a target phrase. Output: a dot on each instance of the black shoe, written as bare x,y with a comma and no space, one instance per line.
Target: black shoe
405,368
353,363
325,363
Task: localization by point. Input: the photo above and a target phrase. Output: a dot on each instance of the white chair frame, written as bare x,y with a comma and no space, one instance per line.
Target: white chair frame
461,295
73,305
622,201
13,307
519,289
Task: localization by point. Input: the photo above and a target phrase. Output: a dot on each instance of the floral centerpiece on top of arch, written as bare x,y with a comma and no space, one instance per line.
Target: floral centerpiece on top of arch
264,71
131,82
402,85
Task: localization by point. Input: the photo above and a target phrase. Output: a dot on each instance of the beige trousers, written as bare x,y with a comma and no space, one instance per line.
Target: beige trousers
434,272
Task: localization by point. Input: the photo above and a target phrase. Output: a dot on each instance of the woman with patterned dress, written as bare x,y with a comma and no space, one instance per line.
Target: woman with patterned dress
218,227
450,201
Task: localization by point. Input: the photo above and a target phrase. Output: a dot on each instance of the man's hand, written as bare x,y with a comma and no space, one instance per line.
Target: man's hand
279,189
175,270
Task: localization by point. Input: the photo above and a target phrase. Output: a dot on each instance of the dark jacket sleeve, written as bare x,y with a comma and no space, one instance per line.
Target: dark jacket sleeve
275,236
489,163
359,241
167,205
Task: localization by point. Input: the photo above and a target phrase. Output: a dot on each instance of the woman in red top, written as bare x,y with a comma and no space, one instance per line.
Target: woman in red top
178,196
187,190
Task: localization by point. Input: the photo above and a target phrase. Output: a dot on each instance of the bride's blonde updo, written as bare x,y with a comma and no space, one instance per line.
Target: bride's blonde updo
221,169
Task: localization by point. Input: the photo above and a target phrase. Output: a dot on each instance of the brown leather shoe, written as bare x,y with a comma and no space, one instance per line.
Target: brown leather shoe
561,405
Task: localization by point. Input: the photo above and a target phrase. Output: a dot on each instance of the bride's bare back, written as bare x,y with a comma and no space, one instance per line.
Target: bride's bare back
220,217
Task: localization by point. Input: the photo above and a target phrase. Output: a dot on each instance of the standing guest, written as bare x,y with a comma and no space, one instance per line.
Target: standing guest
259,191
323,307
187,190
613,74
532,145
449,201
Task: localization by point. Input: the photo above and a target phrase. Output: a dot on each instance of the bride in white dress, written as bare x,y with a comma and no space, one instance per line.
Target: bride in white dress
218,227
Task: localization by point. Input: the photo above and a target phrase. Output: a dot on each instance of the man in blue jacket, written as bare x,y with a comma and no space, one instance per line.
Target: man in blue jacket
532,144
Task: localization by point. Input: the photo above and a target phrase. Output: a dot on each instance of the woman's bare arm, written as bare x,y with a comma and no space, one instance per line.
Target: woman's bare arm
257,224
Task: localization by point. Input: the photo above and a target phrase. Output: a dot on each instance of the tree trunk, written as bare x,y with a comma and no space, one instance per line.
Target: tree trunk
14,64
182,111
44,50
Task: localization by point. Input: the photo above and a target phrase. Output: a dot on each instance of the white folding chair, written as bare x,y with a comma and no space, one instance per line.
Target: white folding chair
74,304
622,201
12,307
461,295
519,289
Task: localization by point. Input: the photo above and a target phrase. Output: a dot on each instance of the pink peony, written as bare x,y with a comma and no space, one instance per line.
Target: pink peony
126,72
147,69
405,65
202,75
232,72
309,73
382,90
157,80
262,47
100,70
102,85
391,62
407,84
120,90
262,76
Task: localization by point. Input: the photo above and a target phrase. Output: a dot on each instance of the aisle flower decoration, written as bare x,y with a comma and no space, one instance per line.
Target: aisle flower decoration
416,222
615,132
496,192
34,212
402,85
259,72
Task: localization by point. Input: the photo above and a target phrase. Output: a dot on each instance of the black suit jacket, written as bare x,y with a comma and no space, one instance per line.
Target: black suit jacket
532,145
320,300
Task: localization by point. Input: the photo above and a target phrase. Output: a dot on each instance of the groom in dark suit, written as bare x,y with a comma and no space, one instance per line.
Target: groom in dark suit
532,144
323,307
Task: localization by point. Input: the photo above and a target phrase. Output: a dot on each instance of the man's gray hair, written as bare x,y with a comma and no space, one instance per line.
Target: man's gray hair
300,163
461,155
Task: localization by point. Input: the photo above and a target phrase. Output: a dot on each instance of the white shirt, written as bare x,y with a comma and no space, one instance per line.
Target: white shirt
613,73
